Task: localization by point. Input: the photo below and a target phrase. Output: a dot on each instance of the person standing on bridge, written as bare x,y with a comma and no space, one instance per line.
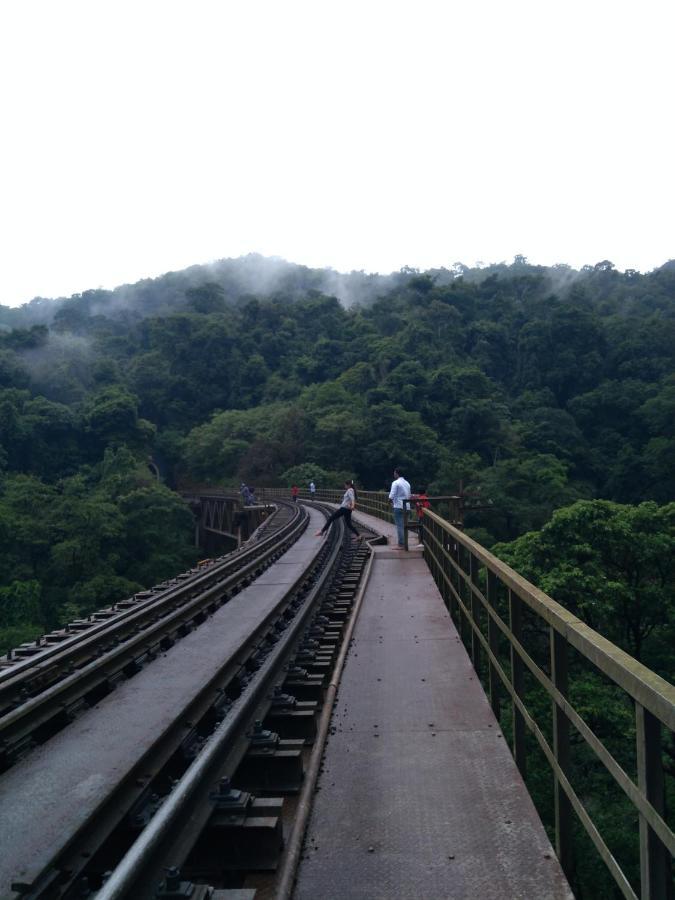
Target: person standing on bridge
312,490
399,496
295,490
421,503
344,510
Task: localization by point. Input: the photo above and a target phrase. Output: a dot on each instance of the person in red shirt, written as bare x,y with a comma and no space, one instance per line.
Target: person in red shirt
294,493
421,503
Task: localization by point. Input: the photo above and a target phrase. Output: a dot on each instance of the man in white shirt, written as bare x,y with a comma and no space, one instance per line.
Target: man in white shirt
399,495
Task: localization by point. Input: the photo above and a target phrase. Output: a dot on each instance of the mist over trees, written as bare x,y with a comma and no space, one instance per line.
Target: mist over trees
535,387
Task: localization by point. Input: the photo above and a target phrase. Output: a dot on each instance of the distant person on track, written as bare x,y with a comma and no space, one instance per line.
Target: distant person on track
344,510
294,493
399,496
312,490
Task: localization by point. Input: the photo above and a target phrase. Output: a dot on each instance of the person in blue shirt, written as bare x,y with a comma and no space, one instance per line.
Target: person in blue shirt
399,495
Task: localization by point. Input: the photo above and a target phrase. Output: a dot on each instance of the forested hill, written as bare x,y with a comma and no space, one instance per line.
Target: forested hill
536,386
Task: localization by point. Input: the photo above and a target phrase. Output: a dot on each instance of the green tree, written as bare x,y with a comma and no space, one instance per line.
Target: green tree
611,564
111,417
523,492
393,436
207,298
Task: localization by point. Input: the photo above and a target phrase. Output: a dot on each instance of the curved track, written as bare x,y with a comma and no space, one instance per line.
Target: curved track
84,661
134,780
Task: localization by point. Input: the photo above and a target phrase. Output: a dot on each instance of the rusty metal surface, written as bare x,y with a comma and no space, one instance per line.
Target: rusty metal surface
388,529
419,795
58,786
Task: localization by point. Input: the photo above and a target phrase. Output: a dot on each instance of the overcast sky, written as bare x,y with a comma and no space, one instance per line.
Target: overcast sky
142,137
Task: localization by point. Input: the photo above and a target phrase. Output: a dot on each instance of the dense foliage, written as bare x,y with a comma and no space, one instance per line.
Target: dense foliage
534,386
85,541
548,393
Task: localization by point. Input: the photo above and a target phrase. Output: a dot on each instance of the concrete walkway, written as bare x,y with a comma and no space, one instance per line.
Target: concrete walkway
419,795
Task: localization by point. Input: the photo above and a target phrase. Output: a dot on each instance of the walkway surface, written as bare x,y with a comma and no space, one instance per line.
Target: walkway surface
419,795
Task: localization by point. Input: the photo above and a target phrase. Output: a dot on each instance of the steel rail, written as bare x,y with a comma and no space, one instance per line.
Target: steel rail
121,800
291,860
170,590
20,723
164,840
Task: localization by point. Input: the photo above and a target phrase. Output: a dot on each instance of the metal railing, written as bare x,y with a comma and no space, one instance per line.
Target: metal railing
499,615
376,503
489,601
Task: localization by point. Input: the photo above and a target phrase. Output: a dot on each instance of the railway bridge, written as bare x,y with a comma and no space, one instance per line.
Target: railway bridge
222,521
329,717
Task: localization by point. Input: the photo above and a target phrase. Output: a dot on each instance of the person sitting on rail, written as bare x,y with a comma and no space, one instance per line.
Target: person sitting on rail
344,510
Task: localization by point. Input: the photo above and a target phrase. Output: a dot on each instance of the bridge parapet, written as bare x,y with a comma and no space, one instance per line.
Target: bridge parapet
532,655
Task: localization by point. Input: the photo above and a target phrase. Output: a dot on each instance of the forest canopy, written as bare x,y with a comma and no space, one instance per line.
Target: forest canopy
536,387
547,393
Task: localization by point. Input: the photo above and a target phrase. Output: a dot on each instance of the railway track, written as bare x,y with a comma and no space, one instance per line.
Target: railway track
42,686
149,755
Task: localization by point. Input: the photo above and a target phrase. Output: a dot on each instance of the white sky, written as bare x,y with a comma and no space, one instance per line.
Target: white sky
142,137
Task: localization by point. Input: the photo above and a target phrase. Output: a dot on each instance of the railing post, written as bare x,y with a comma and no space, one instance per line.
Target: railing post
493,643
442,546
449,549
654,863
474,606
517,680
561,750
460,586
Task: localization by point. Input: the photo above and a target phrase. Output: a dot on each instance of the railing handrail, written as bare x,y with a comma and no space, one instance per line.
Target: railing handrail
653,696
653,692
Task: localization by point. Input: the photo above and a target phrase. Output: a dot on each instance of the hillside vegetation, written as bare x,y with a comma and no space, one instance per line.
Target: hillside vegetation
536,387
547,392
